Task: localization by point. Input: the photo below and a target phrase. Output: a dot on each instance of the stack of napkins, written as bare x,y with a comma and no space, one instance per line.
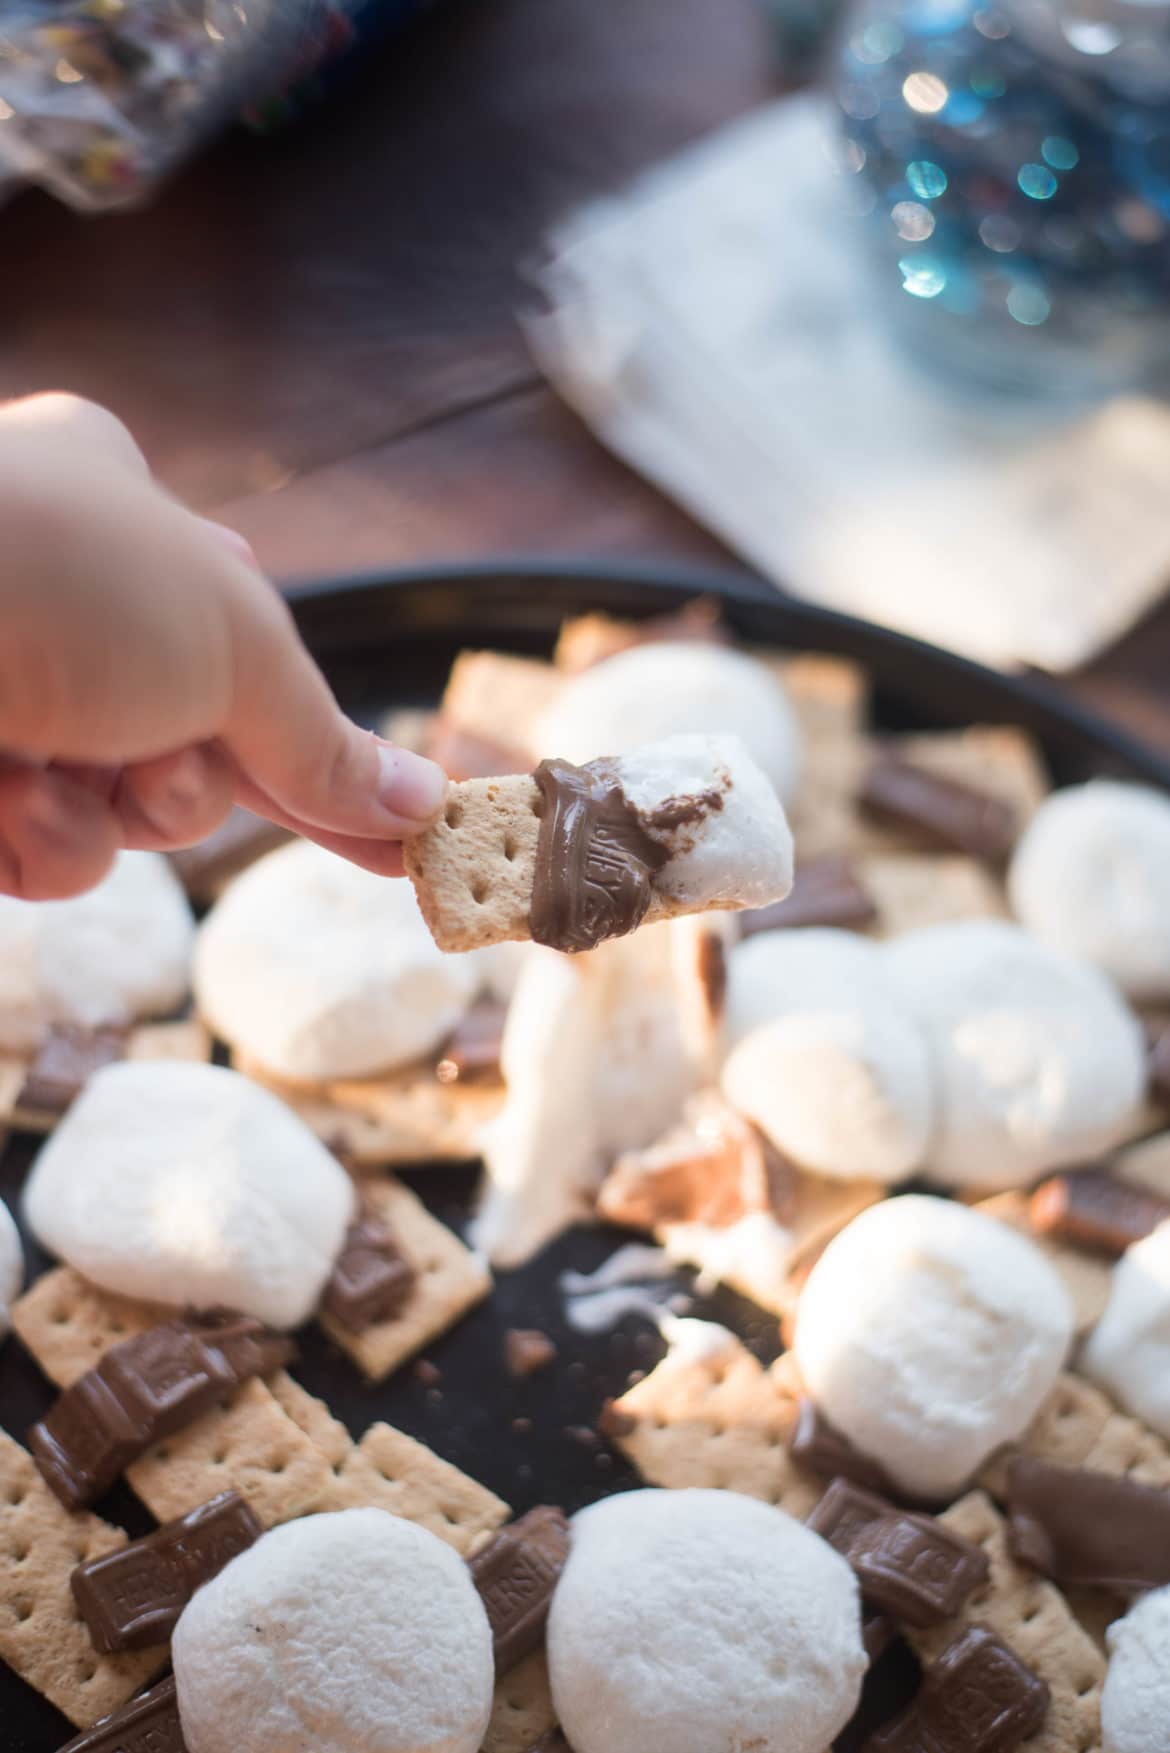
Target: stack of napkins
716,325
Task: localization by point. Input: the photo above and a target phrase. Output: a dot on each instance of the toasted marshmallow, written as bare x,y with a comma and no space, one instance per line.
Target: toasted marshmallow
929,1335
655,691
1128,1351
317,969
777,972
1135,1700
118,952
1089,879
11,1267
1038,1061
356,1632
707,801
690,1621
191,1185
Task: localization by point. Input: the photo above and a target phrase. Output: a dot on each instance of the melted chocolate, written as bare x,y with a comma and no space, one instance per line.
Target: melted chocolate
595,860
1084,1528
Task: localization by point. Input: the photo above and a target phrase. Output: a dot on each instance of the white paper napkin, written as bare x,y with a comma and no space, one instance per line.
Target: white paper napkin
713,326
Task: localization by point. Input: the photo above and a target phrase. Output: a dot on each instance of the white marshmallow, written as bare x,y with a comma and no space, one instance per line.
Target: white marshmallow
1089,878
777,972
737,853
11,1267
349,1633
1128,1351
599,1053
319,969
1135,1700
1037,1059
751,1255
929,1334
656,691
118,952
842,1091
189,1184
702,1622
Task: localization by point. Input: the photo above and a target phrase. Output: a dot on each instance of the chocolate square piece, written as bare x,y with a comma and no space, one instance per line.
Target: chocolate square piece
372,1278
1094,1209
66,1060
915,1569
825,891
516,1574
944,811
818,1445
133,1597
844,1511
980,1696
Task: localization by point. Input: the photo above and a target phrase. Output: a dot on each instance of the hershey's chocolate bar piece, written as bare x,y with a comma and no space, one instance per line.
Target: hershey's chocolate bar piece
815,1444
240,839
595,858
144,1389
132,1598
914,1568
1100,1530
516,1574
844,1510
471,1053
942,810
714,1169
64,1064
978,1697
148,1724
526,1350
372,1278
1095,1209
825,891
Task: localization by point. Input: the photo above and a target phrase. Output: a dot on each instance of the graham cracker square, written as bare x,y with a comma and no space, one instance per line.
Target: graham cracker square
390,1470
248,1444
718,1419
913,889
42,1635
522,1710
450,1281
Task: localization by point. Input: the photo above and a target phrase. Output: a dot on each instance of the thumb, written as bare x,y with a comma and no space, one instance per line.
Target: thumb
290,739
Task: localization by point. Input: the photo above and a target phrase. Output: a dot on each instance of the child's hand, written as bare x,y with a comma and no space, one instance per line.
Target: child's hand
150,676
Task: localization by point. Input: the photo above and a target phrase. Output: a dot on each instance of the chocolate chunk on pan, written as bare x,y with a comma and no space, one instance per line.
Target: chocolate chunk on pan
64,1063
825,892
978,1697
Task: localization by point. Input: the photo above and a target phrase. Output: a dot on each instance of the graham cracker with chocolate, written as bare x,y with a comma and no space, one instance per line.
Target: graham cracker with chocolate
499,697
407,1116
21,1106
1087,1277
1079,1426
998,760
1033,1617
912,889
42,1634
449,1281
389,1470
716,1418
68,1324
522,1710
248,1444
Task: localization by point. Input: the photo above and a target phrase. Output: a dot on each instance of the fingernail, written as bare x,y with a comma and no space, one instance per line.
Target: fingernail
239,545
409,784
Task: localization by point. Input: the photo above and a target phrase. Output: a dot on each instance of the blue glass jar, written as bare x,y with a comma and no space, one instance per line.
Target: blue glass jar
1010,160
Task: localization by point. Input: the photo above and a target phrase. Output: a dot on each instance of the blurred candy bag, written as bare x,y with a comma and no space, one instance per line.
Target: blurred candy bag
99,99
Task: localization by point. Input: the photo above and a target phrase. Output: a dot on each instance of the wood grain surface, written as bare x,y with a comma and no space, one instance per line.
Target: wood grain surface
315,335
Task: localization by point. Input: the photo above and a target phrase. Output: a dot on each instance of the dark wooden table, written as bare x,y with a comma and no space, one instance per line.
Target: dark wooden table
314,336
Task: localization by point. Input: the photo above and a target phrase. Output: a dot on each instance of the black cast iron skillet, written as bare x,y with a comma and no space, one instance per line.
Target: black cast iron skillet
389,640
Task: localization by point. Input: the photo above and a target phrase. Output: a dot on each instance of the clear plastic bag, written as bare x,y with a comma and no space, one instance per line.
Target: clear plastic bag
101,98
